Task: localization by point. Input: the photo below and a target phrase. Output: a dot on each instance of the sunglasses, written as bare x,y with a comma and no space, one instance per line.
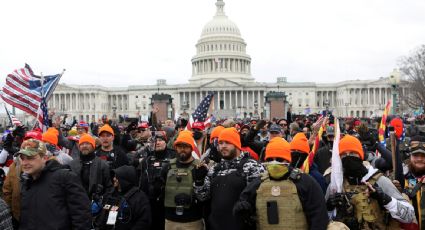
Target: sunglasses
283,124
417,144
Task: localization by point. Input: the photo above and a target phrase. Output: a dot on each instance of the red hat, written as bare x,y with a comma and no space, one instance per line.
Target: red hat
357,123
33,135
84,125
230,135
143,125
397,123
198,125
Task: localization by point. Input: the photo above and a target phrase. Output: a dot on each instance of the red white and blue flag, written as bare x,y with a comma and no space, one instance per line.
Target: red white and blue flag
12,119
27,91
201,112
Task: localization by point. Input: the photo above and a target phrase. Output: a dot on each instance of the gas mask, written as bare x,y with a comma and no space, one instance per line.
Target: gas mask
276,169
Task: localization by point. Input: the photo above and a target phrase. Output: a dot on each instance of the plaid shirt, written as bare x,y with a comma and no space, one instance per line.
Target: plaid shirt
5,217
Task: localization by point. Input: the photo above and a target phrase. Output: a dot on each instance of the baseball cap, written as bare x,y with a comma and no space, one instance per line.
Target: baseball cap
198,125
275,128
32,147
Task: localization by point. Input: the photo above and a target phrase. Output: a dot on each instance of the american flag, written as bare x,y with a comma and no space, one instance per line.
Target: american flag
201,111
25,91
13,120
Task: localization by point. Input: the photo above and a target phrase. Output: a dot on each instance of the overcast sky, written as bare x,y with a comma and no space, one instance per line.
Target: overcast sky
135,42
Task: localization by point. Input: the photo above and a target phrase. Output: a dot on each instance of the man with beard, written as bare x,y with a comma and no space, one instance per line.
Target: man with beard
153,176
374,202
182,209
113,154
225,182
415,178
93,173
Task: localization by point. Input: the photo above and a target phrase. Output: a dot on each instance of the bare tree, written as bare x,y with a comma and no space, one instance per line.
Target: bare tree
413,67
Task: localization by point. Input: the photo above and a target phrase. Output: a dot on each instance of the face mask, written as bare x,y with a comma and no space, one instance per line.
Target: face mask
277,171
197,135
298,159
353,167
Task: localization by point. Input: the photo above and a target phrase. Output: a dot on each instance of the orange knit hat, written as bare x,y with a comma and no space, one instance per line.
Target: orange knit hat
54,130
50,137
230,135
87,138
186,137
216,132
300,143
351,144
278,147
106,128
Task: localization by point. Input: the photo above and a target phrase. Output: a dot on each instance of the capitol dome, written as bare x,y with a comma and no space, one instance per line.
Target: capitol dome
221,51
220,24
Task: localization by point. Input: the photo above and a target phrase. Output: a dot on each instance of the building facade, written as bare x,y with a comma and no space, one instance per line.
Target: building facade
221,65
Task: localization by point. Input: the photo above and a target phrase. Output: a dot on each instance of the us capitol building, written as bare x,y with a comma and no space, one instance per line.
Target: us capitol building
222,65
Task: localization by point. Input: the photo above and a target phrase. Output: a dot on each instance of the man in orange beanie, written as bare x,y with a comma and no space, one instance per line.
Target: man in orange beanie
286,189
225,182
50,139
182,209
299,149
212,152
368,190
93,172
113,154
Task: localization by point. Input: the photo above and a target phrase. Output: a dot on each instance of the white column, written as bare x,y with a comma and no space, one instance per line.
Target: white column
247,99
230,98
236,99
242,101
190,100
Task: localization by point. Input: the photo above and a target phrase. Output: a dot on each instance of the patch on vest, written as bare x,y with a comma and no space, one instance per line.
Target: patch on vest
275,191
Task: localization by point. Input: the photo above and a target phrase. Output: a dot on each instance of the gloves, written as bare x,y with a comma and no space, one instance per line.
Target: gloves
214,154
334,201
199,174
380,195
243,209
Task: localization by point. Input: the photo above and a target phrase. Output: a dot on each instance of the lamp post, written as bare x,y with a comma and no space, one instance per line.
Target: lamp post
256,107
114,110
326,103
346,107
394,81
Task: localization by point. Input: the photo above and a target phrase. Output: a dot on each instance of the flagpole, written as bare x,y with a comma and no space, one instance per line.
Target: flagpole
39,105
8,115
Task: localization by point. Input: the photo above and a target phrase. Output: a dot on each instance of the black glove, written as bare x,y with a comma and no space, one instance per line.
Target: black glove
243,209
334,201
214,154
380,195
199,174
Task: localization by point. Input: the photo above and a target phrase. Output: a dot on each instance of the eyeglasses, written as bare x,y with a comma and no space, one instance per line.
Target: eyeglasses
283,124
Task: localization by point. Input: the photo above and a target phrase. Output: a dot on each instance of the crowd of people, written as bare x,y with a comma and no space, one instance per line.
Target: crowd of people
229,174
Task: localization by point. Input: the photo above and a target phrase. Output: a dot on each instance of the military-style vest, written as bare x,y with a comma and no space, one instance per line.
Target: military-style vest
179,180
290,212
367,211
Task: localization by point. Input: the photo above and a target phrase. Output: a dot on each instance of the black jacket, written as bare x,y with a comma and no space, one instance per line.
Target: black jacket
134,209
99,175
56,200
115,158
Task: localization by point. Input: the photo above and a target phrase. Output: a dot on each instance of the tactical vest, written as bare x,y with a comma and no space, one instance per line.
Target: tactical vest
367,211
179,181
290,212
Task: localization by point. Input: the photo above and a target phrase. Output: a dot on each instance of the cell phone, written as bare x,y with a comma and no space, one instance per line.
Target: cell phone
272,212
